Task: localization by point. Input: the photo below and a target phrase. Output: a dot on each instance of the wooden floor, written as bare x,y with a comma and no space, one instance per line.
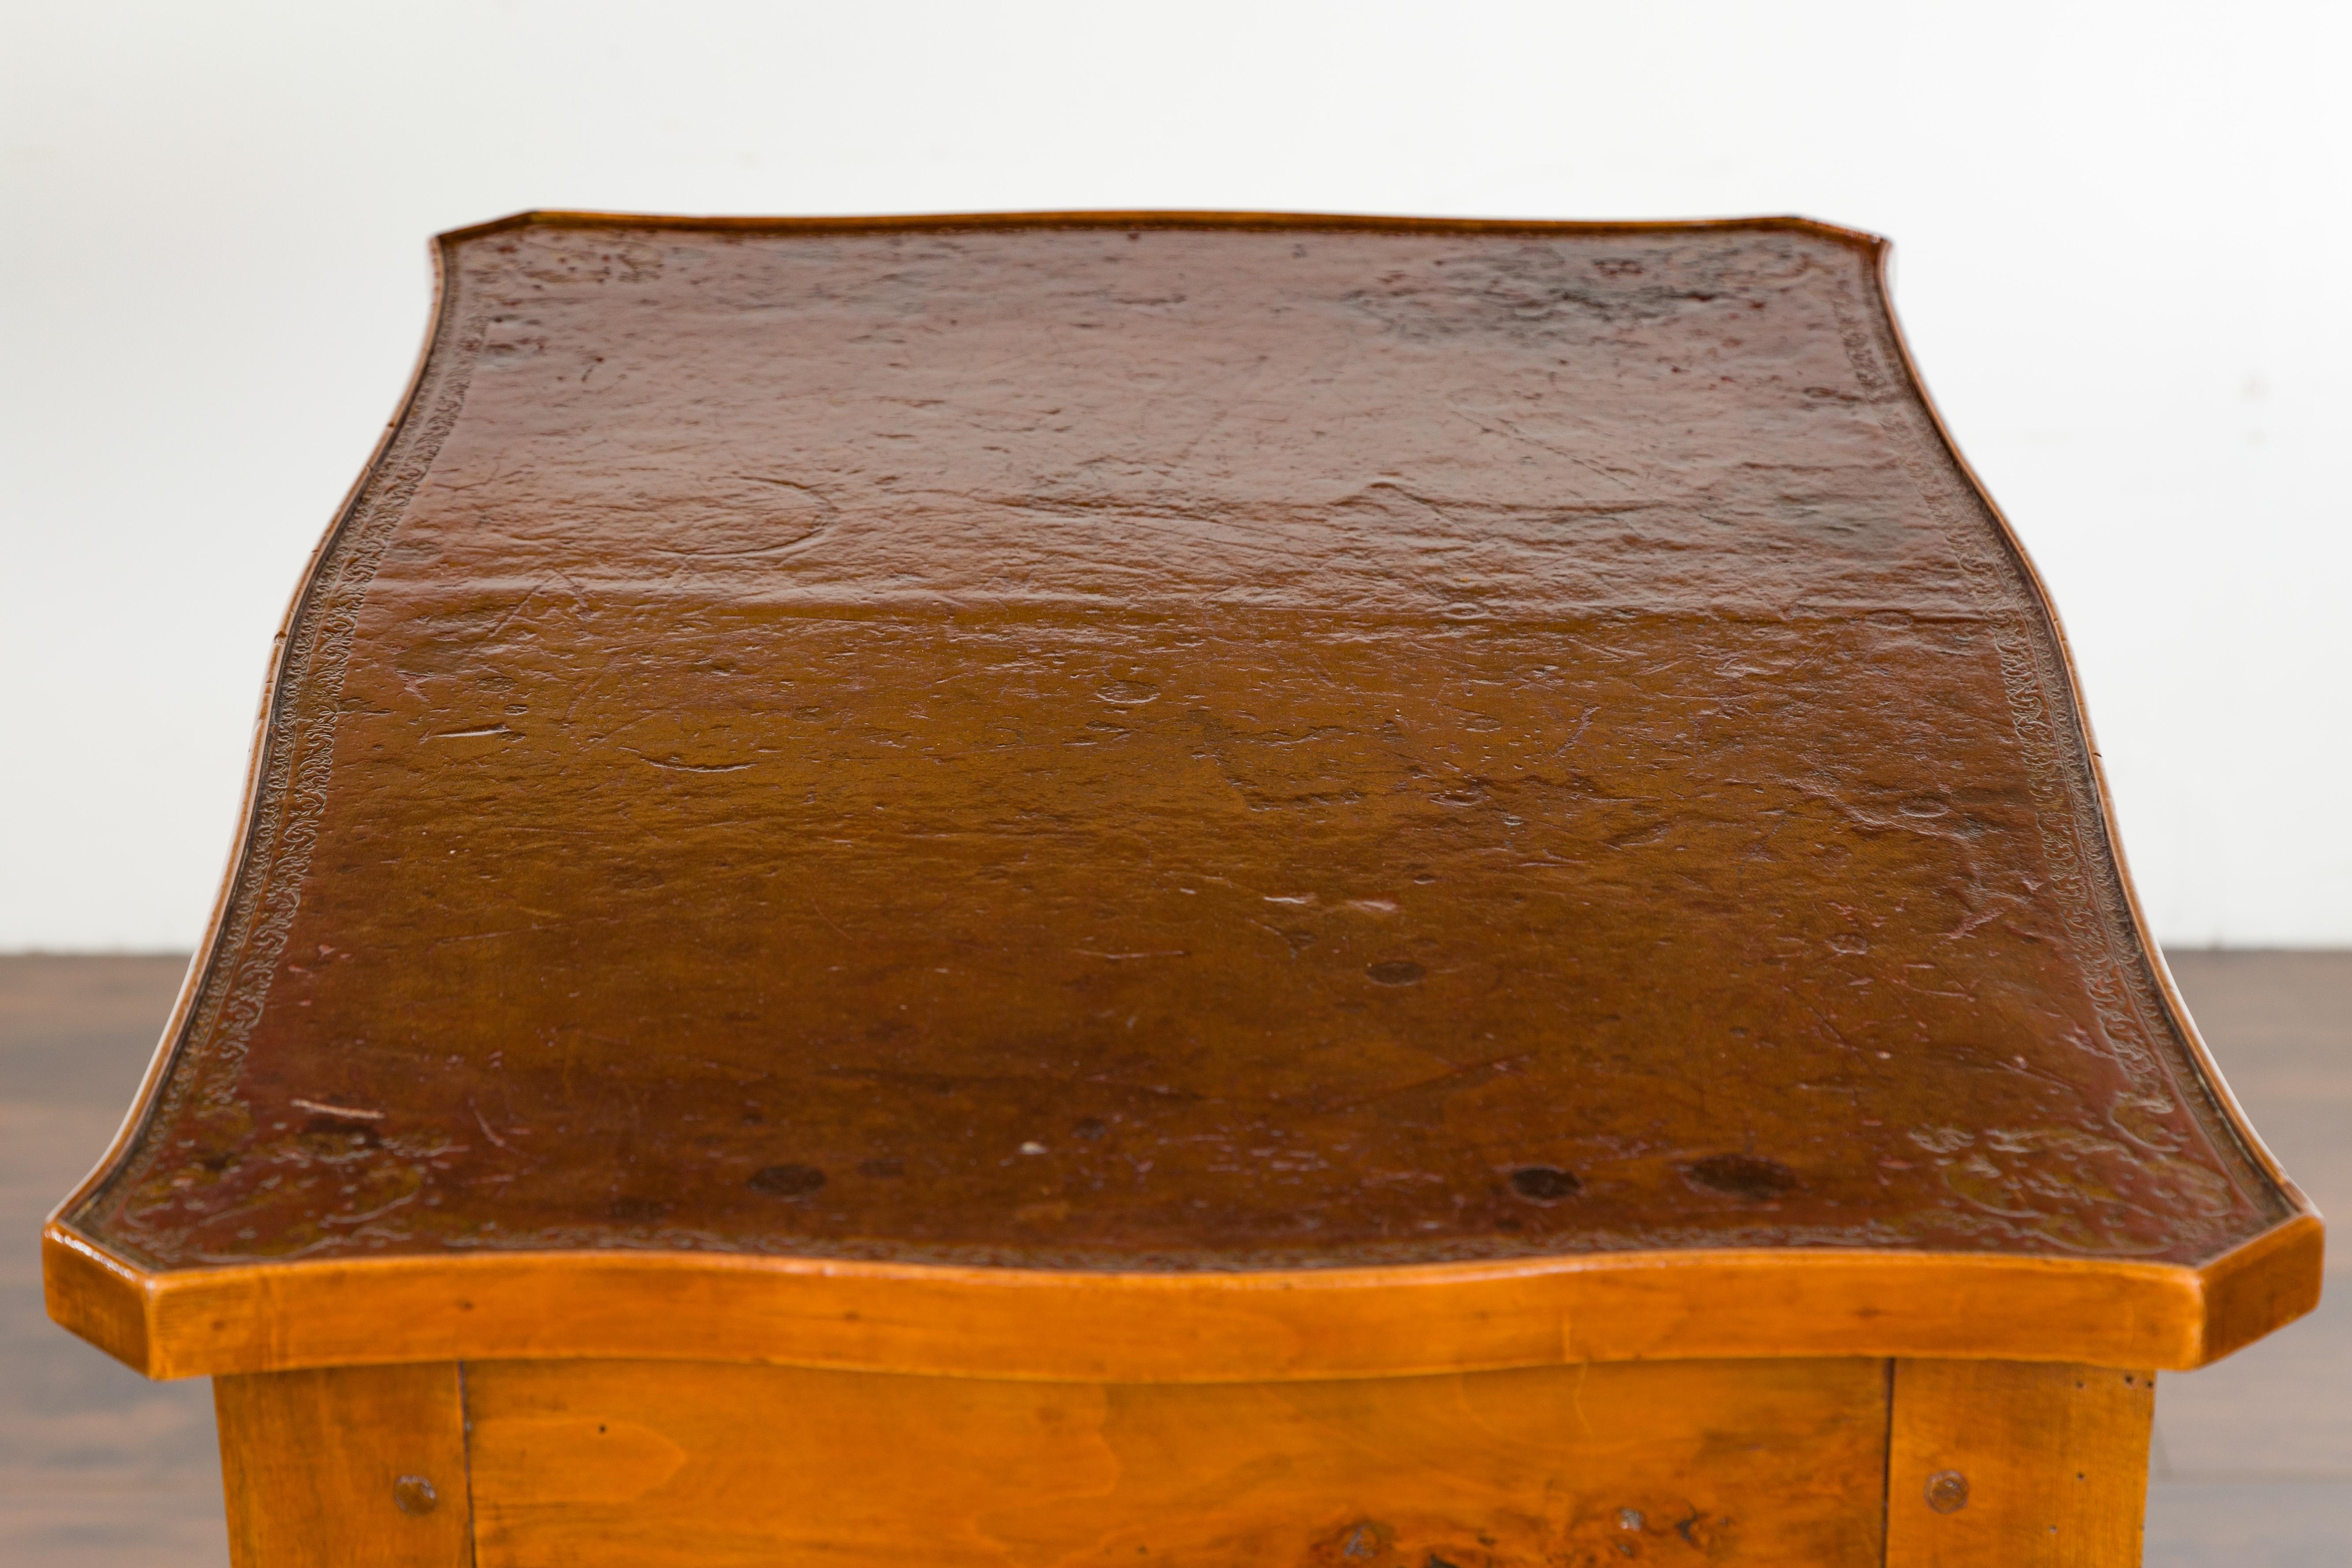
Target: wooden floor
99,1467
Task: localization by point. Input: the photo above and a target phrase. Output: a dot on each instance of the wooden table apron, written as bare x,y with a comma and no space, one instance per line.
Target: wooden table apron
1786,1460
1172,887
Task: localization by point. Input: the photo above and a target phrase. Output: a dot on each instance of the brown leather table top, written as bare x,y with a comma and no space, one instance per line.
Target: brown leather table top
1173,745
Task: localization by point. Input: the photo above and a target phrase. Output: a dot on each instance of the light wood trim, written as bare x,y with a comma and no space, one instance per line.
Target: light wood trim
2001,1462
1178,1328
2257,1288
354,1468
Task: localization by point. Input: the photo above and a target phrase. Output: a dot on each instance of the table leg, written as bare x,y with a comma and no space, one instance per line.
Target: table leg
348,1467
2017,1463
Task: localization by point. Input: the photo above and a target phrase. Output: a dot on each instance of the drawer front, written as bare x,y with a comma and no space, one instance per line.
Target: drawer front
652,1463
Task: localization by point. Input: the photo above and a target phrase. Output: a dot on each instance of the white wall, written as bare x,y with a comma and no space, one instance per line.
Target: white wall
2124,250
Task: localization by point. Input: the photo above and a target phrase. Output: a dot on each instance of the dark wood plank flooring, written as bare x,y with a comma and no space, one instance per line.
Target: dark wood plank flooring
101,1469
2254,1457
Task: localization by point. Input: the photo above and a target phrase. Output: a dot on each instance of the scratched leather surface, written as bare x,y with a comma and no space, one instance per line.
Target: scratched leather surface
1174,748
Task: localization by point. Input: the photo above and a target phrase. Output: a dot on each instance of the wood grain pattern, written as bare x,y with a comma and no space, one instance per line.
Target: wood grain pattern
672,1463
356,1467
1188,747
2019,1465
1167,1328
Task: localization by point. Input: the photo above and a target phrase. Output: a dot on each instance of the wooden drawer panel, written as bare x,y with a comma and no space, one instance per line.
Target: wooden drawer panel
652,1463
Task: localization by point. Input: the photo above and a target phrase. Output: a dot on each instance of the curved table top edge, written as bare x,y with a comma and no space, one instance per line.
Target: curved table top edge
1268,1325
